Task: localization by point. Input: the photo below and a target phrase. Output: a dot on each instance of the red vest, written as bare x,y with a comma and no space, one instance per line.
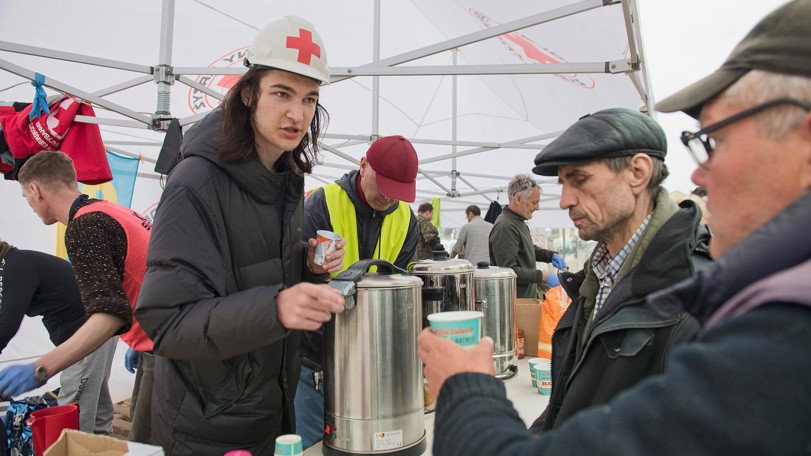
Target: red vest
137,229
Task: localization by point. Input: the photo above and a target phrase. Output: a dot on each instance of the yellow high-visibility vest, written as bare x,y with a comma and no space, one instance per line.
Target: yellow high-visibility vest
344,222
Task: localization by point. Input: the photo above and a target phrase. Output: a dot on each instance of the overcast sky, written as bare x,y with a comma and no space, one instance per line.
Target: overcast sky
685,41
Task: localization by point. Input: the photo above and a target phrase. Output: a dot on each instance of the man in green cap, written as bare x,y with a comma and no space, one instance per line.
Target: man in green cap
741,387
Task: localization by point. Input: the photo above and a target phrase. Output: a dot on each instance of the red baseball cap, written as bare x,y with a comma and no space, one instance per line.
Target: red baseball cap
395,163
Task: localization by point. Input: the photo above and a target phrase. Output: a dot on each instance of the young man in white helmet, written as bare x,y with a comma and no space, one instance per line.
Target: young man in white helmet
225,289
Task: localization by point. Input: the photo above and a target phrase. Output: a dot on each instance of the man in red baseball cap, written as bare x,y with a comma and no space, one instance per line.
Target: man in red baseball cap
393,163
366,207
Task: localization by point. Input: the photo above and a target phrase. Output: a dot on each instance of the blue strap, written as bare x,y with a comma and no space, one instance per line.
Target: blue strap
40,103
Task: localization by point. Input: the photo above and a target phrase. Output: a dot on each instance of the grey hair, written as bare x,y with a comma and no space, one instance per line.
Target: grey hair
758,86
658,174
520,184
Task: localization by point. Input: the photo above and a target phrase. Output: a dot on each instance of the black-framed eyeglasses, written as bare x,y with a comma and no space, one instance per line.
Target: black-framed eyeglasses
701,145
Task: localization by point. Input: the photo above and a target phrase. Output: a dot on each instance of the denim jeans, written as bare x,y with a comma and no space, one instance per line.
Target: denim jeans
309,405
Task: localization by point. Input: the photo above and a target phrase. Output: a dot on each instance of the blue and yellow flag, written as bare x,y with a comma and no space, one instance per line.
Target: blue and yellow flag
435,218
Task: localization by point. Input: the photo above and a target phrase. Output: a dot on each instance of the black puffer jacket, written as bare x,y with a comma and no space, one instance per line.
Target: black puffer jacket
226,240
631,338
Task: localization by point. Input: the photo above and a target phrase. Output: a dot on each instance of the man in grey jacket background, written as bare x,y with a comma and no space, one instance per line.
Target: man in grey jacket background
474,237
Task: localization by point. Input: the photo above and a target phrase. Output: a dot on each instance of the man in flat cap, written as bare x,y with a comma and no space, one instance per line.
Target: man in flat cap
611,165
741,387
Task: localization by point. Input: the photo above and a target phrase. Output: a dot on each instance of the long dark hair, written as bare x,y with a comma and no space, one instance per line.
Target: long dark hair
238,144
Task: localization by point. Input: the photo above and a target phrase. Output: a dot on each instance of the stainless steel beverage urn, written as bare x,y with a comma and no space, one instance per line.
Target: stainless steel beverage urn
447,285
494,295
373,383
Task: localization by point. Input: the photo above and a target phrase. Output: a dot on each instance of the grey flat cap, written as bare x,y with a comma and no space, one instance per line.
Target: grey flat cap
608,133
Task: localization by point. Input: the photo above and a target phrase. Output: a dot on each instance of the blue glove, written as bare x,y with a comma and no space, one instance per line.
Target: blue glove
131,360
15,380
557,261
552,280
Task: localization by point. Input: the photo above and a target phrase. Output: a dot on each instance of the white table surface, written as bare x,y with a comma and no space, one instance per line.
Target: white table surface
525,399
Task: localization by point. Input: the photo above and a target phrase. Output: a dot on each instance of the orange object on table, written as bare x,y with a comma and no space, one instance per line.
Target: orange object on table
554,306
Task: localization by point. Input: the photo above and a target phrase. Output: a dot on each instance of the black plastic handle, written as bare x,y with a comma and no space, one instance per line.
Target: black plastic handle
356,271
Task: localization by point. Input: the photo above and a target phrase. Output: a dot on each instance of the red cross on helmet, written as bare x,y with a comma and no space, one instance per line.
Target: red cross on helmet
291,44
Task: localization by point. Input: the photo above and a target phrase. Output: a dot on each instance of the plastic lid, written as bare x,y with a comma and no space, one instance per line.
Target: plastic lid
375,280
493,272
441,267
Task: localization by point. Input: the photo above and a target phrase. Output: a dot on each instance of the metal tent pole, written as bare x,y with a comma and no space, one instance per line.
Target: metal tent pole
164,75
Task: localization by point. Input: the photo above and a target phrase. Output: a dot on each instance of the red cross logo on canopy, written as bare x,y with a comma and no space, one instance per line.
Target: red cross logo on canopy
305,45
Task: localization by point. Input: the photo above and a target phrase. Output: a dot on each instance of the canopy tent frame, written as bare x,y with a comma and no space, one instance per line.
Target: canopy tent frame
164,75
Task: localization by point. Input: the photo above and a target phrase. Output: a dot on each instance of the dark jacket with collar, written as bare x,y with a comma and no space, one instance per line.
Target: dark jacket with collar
630,338
511,247
370,222
226,240
739,388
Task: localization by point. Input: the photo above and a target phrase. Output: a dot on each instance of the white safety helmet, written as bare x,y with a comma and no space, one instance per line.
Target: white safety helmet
291,44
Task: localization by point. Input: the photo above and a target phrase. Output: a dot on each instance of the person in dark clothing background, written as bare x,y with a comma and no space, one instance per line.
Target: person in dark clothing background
37,284
428,242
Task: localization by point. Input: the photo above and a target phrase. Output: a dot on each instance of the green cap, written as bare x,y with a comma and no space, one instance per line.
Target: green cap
780,43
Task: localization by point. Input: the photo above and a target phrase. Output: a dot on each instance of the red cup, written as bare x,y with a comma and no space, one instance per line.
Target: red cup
47,424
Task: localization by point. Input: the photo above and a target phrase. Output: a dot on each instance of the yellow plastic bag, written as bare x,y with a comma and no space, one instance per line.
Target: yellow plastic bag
555,304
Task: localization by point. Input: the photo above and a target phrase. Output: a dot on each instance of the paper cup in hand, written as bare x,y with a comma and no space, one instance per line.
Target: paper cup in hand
327,243
288,445
462,327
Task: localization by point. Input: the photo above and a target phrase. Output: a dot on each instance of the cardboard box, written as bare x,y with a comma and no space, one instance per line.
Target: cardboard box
528,318
78,443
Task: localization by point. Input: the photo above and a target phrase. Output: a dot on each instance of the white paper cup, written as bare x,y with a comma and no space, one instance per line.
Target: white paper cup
541,370
462,327
288,445
327,243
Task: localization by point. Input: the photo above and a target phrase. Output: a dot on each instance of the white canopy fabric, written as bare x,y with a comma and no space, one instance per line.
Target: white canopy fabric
479,86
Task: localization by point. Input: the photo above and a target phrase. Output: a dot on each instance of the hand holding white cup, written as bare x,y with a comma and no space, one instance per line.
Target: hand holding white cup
327,243
463,327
